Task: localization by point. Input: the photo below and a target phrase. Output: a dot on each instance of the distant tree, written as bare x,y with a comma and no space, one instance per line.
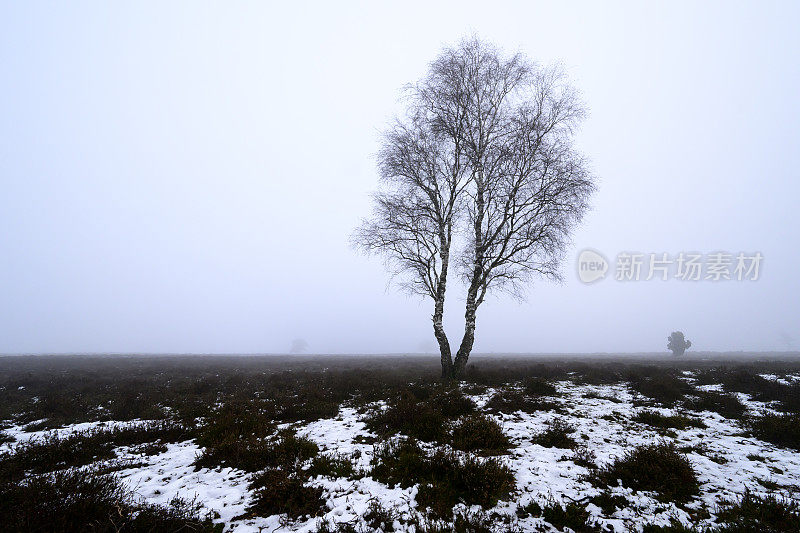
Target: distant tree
485,155
298,346
677,344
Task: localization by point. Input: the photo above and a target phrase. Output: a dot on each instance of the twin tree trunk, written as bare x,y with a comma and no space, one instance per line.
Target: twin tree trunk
454,369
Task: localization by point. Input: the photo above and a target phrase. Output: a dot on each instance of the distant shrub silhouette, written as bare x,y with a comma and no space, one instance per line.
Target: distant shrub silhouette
677,344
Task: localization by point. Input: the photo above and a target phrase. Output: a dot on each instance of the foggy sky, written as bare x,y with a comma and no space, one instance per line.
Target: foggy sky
185,177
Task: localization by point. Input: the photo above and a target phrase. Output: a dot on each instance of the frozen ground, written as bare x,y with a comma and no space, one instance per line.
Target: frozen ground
725,460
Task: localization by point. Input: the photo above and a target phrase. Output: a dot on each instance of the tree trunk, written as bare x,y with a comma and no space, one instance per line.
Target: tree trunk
438,311
462,356
460,363
441,338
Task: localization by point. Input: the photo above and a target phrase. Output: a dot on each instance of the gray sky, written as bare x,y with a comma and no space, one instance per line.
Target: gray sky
185,177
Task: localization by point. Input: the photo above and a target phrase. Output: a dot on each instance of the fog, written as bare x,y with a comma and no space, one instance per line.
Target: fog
186,177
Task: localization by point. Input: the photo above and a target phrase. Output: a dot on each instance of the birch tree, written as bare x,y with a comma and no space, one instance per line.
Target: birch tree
486,155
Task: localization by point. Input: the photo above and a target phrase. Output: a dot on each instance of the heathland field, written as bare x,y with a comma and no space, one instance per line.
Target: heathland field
376,443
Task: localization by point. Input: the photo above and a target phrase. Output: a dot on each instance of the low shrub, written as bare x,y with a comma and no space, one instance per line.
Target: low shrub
308,403
479,433
6,438
663,388
674,527
748,381
445,478
235,421
726,405
655,419
510,401
592,395
463,521
536,386
277,492
331,465
409,416
659,468
53,452
770,513
398,461
177,515
379,517
284,449
451,402
781,430
609,503
557,435
596,374
327,526
573,516
583,456
83,500
452,479
532,508
738,380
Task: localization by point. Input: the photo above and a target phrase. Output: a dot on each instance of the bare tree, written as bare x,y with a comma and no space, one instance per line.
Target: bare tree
486,154
424,174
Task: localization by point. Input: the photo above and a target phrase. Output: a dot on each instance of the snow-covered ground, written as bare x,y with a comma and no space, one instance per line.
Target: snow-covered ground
726,462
